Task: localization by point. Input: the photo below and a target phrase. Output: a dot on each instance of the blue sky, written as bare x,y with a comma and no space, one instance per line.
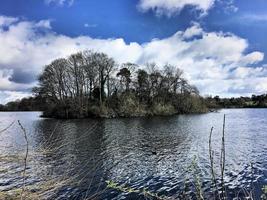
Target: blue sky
220,44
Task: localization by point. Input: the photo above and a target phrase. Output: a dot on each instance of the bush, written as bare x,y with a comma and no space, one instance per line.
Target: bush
163,109
129,105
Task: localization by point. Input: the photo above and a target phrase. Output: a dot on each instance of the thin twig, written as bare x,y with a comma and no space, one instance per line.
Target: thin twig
211,154
251,184
3,130
222,160
25,158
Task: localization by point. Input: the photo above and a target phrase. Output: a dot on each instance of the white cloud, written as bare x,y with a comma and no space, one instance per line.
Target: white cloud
86,25
44,24
252,58
7,84
169,7
60,2
5,21
227,5
233,87
216,62
193,31
249,72
254,17
7,96
248,19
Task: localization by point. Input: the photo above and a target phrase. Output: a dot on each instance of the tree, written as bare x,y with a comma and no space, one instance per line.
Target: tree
125,79
143,85
104,66
90,73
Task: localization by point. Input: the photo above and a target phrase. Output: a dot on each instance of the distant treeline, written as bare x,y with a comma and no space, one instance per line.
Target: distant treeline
25,104
91,84
255,101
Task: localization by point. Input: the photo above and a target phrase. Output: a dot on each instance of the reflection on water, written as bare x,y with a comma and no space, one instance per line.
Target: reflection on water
152,153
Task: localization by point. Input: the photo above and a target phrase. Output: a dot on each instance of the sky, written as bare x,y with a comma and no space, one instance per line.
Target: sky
219,44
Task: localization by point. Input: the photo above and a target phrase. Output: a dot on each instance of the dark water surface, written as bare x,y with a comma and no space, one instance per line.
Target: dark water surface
144,153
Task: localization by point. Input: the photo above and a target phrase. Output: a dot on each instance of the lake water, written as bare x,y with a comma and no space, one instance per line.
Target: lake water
77,157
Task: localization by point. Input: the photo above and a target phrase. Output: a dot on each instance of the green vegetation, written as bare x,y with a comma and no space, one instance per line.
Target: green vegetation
255,101
90,84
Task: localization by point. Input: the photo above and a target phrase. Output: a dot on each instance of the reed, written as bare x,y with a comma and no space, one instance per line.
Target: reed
25,158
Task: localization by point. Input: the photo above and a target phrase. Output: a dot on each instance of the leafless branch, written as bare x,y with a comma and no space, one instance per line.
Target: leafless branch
3,130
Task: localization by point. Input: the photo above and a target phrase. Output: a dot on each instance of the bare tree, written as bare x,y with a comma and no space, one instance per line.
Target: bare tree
89,78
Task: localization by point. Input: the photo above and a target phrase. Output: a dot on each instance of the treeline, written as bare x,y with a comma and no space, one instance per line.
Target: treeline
25,104
90,84
255,101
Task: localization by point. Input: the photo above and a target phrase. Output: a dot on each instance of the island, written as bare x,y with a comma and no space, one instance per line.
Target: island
91,84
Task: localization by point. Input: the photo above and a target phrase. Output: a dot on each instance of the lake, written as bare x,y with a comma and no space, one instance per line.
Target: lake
75,158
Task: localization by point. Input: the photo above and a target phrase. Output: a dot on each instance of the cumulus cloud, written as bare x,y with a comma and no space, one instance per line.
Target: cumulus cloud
252,58
233,87
5,21
216,62
169,7
6,83
193,31
7,96
44,24
249,72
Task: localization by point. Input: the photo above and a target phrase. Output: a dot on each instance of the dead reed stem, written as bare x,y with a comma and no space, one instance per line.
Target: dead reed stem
222,160
211,154
25,158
